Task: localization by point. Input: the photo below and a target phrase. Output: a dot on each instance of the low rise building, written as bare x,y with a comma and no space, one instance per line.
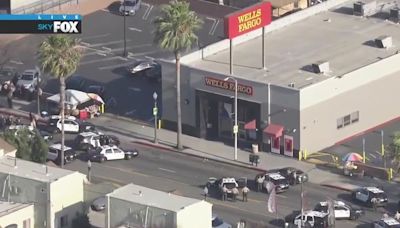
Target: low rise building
330,74
137,206
56,194
16,215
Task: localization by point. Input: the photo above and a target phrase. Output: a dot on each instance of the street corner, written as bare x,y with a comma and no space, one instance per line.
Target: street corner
340,186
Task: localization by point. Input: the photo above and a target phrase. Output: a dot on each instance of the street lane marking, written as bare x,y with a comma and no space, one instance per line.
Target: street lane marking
149,57
214,25
95,36
372,155
107,43
114,66
167,170
106,48
135,29
105,10
135,89
100,60
148,10
132,47
102,54
130,112
16,62
85,43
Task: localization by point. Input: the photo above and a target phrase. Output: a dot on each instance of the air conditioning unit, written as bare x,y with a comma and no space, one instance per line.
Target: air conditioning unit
383,42
291,84
364,9
394,14
320,67
15,190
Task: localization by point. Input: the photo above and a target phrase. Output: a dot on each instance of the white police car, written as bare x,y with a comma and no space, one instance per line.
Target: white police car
386,223
313,218
341,210
370,195
280,182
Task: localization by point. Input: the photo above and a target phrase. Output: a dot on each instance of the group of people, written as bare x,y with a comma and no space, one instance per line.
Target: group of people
6,121
235,193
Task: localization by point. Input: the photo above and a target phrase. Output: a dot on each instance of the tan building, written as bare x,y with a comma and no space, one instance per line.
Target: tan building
330,75
56,194
6,148
137,206
16,215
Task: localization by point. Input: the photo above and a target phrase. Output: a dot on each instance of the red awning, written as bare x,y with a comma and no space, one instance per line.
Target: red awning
274,130
250,125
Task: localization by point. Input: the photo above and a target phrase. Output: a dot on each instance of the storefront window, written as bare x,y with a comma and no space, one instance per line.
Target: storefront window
225,120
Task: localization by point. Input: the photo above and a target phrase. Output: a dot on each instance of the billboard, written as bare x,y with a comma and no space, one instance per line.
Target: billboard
247,20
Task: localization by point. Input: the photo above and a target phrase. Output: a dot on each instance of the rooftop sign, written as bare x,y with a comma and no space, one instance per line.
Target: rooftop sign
247,20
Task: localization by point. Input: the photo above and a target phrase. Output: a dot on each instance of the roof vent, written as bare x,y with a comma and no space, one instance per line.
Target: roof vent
395,14
364,9
291,84
320,67
383,42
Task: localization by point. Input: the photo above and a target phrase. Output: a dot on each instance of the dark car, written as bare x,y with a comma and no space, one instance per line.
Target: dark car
371,196
54,154
86,127
9,74
76,82
288,173
97,89
99,204
148,68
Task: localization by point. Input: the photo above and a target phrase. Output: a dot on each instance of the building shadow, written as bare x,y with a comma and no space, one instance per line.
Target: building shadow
344,10
370,43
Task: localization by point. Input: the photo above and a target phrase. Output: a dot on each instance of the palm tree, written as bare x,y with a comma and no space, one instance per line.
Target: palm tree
59,56
175,31
394,149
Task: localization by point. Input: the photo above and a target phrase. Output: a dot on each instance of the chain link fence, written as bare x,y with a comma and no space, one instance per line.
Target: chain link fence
41,6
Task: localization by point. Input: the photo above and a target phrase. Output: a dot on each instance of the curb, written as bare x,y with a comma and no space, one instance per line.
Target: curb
114,116
170,149
20,114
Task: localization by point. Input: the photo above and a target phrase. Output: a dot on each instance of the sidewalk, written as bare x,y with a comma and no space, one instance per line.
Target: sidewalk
143,134
84,7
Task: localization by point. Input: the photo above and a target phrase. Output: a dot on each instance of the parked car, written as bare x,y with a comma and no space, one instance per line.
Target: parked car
71,124
367,195
90,140
130,7
386,223
280,182
99,204
55,154
76,82
107,153
288,173
217,222
148,68
341,210
313,218
27,83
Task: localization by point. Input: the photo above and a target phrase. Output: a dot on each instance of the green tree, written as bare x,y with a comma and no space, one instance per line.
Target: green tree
394,149
22,142
59,56
39,148
175,31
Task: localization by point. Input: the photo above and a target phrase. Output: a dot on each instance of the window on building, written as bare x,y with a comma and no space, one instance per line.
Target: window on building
339,123
64,221
27,223
354,117
346,120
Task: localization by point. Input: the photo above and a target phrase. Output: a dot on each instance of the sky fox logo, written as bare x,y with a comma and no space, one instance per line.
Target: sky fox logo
60,27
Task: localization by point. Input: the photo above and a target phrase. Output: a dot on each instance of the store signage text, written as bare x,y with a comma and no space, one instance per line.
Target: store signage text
247,20
228,85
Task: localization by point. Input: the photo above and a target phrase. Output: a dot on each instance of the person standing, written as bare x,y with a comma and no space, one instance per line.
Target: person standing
10,95
245,191
224,193
235,192
205,192
260,181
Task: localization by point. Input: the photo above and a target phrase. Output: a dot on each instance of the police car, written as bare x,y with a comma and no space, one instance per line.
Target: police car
313,218
280,182
368,195
386,223
341,210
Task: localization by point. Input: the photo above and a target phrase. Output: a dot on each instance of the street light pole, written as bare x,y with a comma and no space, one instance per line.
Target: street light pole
363,149
383,150
235,127
125,29
155,112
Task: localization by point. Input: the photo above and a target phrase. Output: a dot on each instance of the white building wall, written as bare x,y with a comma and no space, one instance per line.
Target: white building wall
15,4
18,217
370,91
195,216
66,200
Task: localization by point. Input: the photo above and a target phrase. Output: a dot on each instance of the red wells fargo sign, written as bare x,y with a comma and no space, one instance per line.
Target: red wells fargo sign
247,20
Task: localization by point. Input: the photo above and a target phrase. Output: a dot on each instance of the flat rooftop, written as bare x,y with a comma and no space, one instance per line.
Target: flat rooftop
31,170
337,36
9,207
151,197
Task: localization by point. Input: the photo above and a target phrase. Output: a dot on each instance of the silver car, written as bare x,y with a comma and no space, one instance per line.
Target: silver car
129,7
219,223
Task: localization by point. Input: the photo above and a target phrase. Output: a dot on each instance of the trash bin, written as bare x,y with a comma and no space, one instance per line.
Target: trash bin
255,148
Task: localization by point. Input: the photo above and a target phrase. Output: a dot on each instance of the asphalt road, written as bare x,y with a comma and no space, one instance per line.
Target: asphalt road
102,62
186,175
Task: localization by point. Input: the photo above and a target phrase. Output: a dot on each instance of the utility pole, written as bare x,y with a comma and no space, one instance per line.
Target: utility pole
125,54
